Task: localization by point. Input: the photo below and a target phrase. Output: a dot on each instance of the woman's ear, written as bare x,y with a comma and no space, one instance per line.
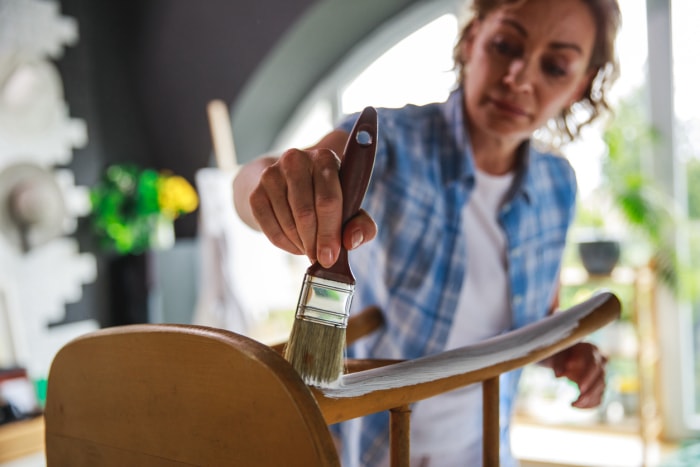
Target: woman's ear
583,87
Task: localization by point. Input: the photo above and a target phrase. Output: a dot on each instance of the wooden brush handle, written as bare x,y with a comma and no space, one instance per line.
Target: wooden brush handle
355,172
358,161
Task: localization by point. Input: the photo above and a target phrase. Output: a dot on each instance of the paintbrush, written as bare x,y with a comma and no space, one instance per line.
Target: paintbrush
316,344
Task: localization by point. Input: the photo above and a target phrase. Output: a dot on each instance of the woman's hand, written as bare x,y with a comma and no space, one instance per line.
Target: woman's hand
584,364
297,202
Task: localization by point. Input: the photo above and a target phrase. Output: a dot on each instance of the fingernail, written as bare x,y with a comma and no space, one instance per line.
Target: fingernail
356,239
325,257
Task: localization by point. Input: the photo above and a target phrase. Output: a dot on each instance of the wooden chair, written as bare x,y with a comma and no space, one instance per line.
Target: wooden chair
175,395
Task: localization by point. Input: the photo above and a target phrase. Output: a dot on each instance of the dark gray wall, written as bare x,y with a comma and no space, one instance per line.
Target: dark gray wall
143,72
140,76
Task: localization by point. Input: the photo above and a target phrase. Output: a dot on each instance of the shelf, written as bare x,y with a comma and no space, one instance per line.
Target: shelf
572,276
22,438
535,444
632,346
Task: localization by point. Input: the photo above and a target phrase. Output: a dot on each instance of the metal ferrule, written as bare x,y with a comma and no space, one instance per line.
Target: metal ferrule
325,301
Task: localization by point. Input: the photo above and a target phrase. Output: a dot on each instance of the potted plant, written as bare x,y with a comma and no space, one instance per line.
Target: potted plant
597,247
133,209
646,211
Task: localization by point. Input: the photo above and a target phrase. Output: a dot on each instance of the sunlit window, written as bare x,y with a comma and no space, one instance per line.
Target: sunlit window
686,72
417,70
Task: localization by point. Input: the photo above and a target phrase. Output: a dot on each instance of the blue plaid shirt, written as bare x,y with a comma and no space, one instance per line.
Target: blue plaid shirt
415,268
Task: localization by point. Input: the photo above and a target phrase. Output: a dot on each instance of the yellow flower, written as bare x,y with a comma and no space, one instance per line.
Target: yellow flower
176,196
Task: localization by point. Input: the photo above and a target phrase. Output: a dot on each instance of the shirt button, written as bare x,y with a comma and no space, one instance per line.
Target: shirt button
517,300
516,252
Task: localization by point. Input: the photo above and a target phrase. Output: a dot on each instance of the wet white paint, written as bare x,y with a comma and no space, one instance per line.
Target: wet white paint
509,346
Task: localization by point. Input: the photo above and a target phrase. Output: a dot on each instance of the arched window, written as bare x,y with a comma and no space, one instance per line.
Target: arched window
408,60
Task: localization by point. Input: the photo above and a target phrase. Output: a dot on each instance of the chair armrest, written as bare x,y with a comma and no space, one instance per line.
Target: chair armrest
394,385
359,325
363,323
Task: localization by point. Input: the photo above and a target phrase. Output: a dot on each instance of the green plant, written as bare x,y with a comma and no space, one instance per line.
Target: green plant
647,212
132,207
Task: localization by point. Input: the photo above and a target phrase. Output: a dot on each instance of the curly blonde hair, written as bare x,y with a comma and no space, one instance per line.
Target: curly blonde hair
567,126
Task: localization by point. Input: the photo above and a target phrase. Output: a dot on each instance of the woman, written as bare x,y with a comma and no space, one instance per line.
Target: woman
472,219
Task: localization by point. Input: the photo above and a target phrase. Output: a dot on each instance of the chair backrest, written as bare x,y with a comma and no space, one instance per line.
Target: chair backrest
174,395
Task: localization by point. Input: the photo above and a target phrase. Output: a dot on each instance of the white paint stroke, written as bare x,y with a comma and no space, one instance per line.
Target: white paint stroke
502,348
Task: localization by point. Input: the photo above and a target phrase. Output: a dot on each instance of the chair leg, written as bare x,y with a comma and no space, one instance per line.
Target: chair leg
399,436
492,429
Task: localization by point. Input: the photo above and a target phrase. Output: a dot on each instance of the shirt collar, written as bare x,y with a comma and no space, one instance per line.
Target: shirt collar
458,166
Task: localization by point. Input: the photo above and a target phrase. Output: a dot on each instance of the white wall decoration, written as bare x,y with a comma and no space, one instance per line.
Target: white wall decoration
41,268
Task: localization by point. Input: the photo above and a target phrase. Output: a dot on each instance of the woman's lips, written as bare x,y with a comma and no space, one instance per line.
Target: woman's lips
509,107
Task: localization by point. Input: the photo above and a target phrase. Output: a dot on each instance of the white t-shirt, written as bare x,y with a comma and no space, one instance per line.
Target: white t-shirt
451,422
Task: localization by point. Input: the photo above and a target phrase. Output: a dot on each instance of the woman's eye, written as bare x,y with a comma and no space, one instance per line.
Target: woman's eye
553,69
506,48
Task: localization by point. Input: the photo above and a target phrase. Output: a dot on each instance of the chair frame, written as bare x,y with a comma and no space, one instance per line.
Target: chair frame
77,433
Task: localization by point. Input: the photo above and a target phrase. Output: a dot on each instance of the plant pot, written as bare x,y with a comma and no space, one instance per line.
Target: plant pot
599,257
129,287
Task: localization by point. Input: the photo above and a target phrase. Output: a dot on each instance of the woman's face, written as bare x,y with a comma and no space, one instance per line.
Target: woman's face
525,64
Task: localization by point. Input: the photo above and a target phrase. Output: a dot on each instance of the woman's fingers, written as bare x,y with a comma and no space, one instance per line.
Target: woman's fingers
272,211
591,389
266,219
297,168
298,204
328,205
585,365
359,230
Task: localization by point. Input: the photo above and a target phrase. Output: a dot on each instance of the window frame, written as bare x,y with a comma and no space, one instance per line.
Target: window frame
680,413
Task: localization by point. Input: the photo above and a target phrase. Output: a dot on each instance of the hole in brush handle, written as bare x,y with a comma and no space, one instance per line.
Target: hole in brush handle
364,138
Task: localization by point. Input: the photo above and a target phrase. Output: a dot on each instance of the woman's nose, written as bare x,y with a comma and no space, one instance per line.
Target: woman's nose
519,75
